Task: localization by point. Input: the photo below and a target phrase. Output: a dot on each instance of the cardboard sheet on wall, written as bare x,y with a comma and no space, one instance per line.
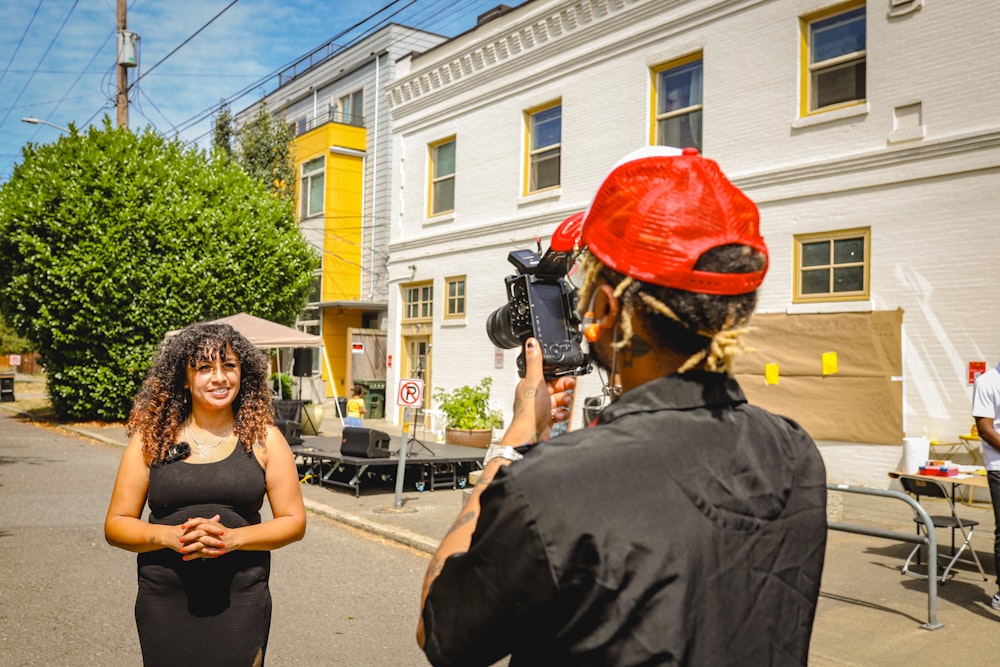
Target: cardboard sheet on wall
860,403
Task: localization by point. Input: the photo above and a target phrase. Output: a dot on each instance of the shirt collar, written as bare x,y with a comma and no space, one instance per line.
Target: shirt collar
693,389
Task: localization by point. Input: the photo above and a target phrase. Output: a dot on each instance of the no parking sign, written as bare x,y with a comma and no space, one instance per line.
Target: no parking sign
409,393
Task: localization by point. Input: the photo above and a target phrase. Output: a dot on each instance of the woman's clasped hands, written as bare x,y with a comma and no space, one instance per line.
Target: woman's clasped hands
202,538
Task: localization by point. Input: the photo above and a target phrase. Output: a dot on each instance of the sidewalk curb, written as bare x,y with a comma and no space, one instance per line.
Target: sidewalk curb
399,535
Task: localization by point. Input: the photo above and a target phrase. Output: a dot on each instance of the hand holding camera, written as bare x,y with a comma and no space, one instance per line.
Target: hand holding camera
541,304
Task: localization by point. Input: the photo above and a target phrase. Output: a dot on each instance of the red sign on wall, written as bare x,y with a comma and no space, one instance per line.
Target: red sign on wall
976,368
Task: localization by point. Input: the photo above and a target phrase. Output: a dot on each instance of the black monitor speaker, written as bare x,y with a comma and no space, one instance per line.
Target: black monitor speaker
364,443
303,362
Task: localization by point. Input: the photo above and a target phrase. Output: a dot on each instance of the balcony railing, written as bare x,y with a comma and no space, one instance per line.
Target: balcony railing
332,116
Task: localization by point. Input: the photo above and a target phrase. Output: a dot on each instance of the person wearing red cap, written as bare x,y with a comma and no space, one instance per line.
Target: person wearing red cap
686,526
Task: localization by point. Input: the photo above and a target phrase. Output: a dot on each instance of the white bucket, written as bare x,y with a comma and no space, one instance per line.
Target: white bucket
916,451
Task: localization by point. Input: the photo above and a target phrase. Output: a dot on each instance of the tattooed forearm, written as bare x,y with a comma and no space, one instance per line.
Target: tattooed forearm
463,519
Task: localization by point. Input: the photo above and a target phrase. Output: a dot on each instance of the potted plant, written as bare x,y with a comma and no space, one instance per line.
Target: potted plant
470,421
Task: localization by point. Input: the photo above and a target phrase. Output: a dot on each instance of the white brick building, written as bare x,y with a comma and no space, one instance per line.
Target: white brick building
866,128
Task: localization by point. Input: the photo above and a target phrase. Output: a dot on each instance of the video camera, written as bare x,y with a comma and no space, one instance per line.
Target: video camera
541,304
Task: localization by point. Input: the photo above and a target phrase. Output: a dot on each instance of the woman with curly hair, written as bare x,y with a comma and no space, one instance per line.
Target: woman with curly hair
203,451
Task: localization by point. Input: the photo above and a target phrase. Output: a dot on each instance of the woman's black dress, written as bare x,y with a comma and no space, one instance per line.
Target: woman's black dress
205,611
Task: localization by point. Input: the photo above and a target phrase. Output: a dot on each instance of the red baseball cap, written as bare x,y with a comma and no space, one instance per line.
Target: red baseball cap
657,212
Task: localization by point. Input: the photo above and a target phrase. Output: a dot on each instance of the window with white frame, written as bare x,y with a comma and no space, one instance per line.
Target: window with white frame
454,293
312,187
834,61
832,266
442,185
418,302
678,87
352,108
544,147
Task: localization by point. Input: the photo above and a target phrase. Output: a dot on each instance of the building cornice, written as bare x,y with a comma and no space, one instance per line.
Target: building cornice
534,42
792,181
528,37
506,233
889,161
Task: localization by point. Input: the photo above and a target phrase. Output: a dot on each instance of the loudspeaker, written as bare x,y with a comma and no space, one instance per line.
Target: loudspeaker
292,430
302,367
364,443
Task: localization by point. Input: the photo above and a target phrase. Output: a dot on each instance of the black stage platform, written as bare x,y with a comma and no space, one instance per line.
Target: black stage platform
428,466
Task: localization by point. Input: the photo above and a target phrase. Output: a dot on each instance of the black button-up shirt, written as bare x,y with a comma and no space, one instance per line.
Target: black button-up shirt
686,528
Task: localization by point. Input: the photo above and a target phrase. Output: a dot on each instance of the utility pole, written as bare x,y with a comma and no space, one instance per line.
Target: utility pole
122,100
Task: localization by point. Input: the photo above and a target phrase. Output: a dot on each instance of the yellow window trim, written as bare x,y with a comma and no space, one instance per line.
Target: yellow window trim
654,74
800,239
447,298
528,113
408,286
804,23
431,147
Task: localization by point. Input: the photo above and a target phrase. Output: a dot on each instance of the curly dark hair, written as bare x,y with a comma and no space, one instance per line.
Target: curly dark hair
703,327
162,404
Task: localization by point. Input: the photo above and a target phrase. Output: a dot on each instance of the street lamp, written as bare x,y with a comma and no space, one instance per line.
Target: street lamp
39,121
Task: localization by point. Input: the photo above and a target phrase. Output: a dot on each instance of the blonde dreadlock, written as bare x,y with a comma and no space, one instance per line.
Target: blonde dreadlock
719,341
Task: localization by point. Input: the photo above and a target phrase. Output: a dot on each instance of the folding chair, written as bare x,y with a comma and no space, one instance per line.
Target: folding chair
933,489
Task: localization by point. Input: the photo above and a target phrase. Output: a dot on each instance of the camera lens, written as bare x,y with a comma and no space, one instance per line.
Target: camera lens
500,330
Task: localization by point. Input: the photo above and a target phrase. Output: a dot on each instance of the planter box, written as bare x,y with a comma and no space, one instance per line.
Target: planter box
469,437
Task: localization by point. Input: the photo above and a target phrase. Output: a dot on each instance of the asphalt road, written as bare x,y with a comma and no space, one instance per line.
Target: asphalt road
341,596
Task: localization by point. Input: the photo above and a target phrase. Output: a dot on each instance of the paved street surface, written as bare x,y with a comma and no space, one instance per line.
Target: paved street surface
348,593
341,596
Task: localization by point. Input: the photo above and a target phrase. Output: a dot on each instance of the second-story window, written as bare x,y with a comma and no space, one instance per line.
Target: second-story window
544,147
313,188
835,58
442,185
678,103
352,108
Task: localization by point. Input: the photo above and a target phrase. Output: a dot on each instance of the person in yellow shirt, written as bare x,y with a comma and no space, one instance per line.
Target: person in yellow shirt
355,407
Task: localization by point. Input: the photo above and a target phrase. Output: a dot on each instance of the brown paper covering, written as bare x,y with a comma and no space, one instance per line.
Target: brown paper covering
862,402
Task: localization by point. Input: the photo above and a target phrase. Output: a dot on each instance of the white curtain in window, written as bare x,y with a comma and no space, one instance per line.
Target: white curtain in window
696,85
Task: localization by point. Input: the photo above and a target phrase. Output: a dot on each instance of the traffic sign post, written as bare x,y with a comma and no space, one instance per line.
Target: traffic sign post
409,394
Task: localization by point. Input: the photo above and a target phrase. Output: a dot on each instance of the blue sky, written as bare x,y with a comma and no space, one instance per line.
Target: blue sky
57,57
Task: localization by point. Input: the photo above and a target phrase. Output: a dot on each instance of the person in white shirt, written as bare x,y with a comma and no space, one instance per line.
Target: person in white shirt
986,411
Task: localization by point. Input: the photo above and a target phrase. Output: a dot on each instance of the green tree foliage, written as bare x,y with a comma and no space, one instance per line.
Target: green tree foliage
110,239
10,342
264,150
222,132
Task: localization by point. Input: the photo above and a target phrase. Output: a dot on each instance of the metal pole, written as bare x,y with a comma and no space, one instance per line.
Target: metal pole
401,468
930,540
122,98
39,121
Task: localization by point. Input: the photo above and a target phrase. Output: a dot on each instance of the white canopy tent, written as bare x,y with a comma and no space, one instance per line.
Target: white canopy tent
271,335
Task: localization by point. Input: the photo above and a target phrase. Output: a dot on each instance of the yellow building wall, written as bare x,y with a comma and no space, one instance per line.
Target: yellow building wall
343,208
336,322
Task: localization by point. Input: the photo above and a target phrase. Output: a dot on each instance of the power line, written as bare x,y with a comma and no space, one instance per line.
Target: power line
39,64
21,40
80,75
205,114
179,46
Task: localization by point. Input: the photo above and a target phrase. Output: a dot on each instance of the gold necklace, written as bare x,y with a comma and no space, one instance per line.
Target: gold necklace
199,448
